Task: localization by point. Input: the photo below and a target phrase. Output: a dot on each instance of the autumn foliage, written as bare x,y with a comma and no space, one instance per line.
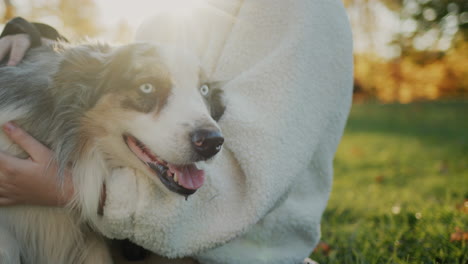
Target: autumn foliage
421,75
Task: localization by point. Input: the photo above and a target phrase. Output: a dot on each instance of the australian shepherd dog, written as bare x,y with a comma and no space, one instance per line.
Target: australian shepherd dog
99,108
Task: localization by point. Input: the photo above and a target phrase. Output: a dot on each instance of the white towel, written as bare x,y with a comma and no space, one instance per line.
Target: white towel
287,68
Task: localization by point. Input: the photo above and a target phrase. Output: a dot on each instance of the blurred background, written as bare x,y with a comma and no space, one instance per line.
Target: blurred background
401,172
406,50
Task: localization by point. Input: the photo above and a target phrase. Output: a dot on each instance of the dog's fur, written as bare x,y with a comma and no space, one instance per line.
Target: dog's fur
79,101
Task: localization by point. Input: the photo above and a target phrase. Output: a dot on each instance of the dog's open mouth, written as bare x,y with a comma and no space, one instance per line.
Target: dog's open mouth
182,179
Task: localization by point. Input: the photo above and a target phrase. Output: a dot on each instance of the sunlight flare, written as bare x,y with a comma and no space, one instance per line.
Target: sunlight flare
178,7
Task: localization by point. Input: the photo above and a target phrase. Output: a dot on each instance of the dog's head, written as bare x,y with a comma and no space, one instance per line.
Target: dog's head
151,112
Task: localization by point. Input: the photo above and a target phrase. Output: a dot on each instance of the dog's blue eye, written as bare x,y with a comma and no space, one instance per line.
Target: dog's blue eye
204,90
147,88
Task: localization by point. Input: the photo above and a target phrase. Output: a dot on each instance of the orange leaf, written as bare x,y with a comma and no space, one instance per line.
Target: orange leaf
463,207
459,235
323,248
380,178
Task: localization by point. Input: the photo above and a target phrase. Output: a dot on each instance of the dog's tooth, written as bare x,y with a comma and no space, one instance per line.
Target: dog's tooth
175,178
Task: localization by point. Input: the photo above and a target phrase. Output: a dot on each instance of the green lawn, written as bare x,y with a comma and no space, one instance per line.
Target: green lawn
400,172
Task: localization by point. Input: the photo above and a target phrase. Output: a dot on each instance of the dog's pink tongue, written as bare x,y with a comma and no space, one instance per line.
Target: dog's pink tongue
189,176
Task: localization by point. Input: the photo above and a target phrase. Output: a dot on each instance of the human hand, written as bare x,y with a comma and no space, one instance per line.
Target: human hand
31,181
16,46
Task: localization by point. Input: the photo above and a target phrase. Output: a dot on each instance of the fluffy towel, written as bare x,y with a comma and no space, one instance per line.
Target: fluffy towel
286,69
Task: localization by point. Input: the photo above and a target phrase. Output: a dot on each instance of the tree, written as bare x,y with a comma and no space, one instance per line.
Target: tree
432,39
425,24
435,23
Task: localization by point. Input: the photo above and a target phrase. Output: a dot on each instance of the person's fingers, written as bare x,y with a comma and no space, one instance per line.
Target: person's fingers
9,164
5,45
34,148
18,49
5,196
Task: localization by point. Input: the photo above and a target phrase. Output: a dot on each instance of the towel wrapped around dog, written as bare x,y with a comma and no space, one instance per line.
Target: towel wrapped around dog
285,67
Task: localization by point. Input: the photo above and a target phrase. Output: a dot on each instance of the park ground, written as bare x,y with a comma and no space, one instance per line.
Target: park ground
400,192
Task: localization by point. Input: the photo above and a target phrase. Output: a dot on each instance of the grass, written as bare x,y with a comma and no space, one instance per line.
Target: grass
401,179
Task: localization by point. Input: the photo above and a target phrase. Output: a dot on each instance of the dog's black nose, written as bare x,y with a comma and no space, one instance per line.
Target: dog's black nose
207,142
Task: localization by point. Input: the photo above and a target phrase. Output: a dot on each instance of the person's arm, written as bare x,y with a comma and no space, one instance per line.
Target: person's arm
32,181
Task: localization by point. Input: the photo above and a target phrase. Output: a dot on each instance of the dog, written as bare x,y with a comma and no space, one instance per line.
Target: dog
144,107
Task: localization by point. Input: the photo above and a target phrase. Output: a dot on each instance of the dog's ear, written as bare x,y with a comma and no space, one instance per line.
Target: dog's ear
81,72
84,63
